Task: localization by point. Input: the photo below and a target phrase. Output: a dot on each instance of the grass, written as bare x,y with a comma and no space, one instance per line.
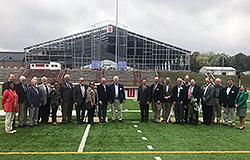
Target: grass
124,137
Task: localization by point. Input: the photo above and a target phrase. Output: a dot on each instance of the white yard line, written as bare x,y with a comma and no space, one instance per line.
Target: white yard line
84,138
158,158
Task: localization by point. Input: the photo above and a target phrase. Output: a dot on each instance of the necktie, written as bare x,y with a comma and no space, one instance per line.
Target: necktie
190,92
24,88
143,88
104,88
47,91
68,85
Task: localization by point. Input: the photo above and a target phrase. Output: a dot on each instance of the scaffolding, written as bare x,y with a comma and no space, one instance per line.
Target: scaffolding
97,44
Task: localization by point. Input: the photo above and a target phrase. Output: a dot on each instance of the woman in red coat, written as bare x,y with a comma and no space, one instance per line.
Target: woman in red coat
10,105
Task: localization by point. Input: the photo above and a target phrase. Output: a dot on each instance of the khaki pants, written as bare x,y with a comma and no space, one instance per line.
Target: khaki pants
157,110
117,105
9,121
217,109
22,114
67,111
227,111
166,110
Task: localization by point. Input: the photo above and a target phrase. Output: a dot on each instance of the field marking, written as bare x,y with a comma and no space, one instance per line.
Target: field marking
158,158
144,138
84,138
150,147
126,152
139,131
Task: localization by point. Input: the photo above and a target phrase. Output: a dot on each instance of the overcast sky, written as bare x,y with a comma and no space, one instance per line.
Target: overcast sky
222,26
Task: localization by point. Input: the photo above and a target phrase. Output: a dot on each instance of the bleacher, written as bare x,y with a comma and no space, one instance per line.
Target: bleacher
4,73
50,74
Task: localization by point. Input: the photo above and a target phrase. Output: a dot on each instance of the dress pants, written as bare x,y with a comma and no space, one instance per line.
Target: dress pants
67,111
179,112
217,110
80,112
207,114
117,105
144,111
166,110
22,114
91,115
231,111
157,110
33,115
102,112
54,111
45,111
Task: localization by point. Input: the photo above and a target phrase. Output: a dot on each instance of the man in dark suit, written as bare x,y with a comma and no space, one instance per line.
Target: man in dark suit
117,97
167,100
79,98
33,99
193,96
156,98
21,90
6,84
143,99
66,89
187,84
208,102
179,97
103,92
228,101
44,89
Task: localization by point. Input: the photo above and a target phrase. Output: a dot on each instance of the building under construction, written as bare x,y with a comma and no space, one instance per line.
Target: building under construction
91,47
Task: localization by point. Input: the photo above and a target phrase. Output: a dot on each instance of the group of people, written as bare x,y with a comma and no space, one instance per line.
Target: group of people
184,98
40,99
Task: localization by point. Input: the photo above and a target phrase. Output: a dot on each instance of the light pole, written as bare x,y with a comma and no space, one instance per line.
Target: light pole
116,37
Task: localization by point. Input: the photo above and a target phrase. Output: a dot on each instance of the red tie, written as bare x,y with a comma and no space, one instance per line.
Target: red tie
189,92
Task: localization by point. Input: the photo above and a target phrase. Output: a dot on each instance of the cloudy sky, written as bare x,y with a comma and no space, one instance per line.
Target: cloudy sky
222,26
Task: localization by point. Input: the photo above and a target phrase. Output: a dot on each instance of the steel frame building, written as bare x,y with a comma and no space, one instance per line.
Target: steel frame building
97,44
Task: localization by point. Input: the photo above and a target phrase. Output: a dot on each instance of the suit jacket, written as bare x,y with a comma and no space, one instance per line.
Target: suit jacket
121,92
103,95
228,100
197,93
67,93
22,94
209,95
169,93
157,93
77,94
143,96
183,93
241,99
43,95
221,93
33,97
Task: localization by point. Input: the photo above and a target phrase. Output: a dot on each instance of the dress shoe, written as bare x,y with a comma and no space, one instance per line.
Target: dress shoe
141,120
241,128
112,121
121,121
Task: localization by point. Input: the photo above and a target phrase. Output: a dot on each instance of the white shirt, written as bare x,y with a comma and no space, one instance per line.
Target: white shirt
116,91
228,89
206,89
178,91
83,90
167,87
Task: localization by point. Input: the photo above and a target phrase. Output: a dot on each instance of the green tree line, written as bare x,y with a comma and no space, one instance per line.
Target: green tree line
240,61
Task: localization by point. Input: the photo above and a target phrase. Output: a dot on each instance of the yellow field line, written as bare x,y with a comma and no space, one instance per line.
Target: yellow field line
125,152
